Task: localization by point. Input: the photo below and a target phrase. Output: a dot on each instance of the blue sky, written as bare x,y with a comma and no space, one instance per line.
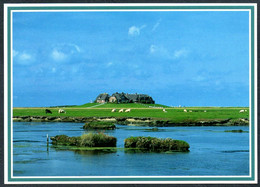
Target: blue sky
178,58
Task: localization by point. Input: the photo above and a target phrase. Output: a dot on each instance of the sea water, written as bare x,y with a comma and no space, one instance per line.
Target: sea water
213,152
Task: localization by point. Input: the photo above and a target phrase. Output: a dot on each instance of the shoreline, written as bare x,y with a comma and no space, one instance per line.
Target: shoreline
134,121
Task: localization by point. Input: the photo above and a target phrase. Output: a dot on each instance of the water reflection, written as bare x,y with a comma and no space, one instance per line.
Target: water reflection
85,150
95,152
133,151
235,151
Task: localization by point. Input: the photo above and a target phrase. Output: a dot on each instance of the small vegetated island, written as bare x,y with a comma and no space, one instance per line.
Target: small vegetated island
97,140
135,109
156,144
85,140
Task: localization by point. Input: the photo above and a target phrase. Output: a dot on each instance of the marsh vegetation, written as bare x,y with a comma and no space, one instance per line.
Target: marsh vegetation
85,140
156,144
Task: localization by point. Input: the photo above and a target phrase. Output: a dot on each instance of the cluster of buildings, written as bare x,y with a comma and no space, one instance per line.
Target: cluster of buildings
124,98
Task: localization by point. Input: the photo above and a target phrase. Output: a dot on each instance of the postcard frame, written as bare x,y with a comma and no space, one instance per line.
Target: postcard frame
10,8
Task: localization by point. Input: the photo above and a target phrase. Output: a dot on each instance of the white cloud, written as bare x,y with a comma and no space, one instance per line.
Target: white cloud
62,52
135,31
58,56
180,53
15,53
163,52
25,56
76,47
109,64
22,58
158,50
156,25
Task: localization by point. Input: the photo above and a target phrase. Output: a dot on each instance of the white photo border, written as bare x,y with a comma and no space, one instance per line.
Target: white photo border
8,94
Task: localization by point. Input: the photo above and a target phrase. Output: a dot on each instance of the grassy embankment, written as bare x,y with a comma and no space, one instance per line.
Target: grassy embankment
154,111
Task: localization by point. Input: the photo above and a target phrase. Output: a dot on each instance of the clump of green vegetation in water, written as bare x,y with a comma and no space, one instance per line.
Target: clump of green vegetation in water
65,140
86,140
239,131
99,125
97,140
156,144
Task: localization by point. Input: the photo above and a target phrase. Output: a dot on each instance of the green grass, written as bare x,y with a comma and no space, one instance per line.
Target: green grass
172,114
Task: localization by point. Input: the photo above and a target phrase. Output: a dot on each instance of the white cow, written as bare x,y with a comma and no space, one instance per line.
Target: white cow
113,110
241,111
184,110
128,110
164,110
121,110
61,111
190,111
205,110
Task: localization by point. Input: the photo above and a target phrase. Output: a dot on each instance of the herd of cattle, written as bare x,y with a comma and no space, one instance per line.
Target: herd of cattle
47,111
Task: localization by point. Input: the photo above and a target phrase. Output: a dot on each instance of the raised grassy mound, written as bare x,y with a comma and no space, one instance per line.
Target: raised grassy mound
86,140
99,125
156,144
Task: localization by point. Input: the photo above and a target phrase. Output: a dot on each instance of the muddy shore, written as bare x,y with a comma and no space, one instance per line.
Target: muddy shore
134,121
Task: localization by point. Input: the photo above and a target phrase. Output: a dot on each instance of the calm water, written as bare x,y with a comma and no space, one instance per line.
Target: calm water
212,152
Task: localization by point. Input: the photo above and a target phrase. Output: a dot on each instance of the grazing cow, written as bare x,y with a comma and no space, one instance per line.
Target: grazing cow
205,110
241,111
113,110
128,110
121,110
164,110
47,111
61,111
190,111
184,110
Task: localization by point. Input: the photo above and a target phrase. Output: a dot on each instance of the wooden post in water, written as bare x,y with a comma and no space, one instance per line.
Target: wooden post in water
47,138
47,143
